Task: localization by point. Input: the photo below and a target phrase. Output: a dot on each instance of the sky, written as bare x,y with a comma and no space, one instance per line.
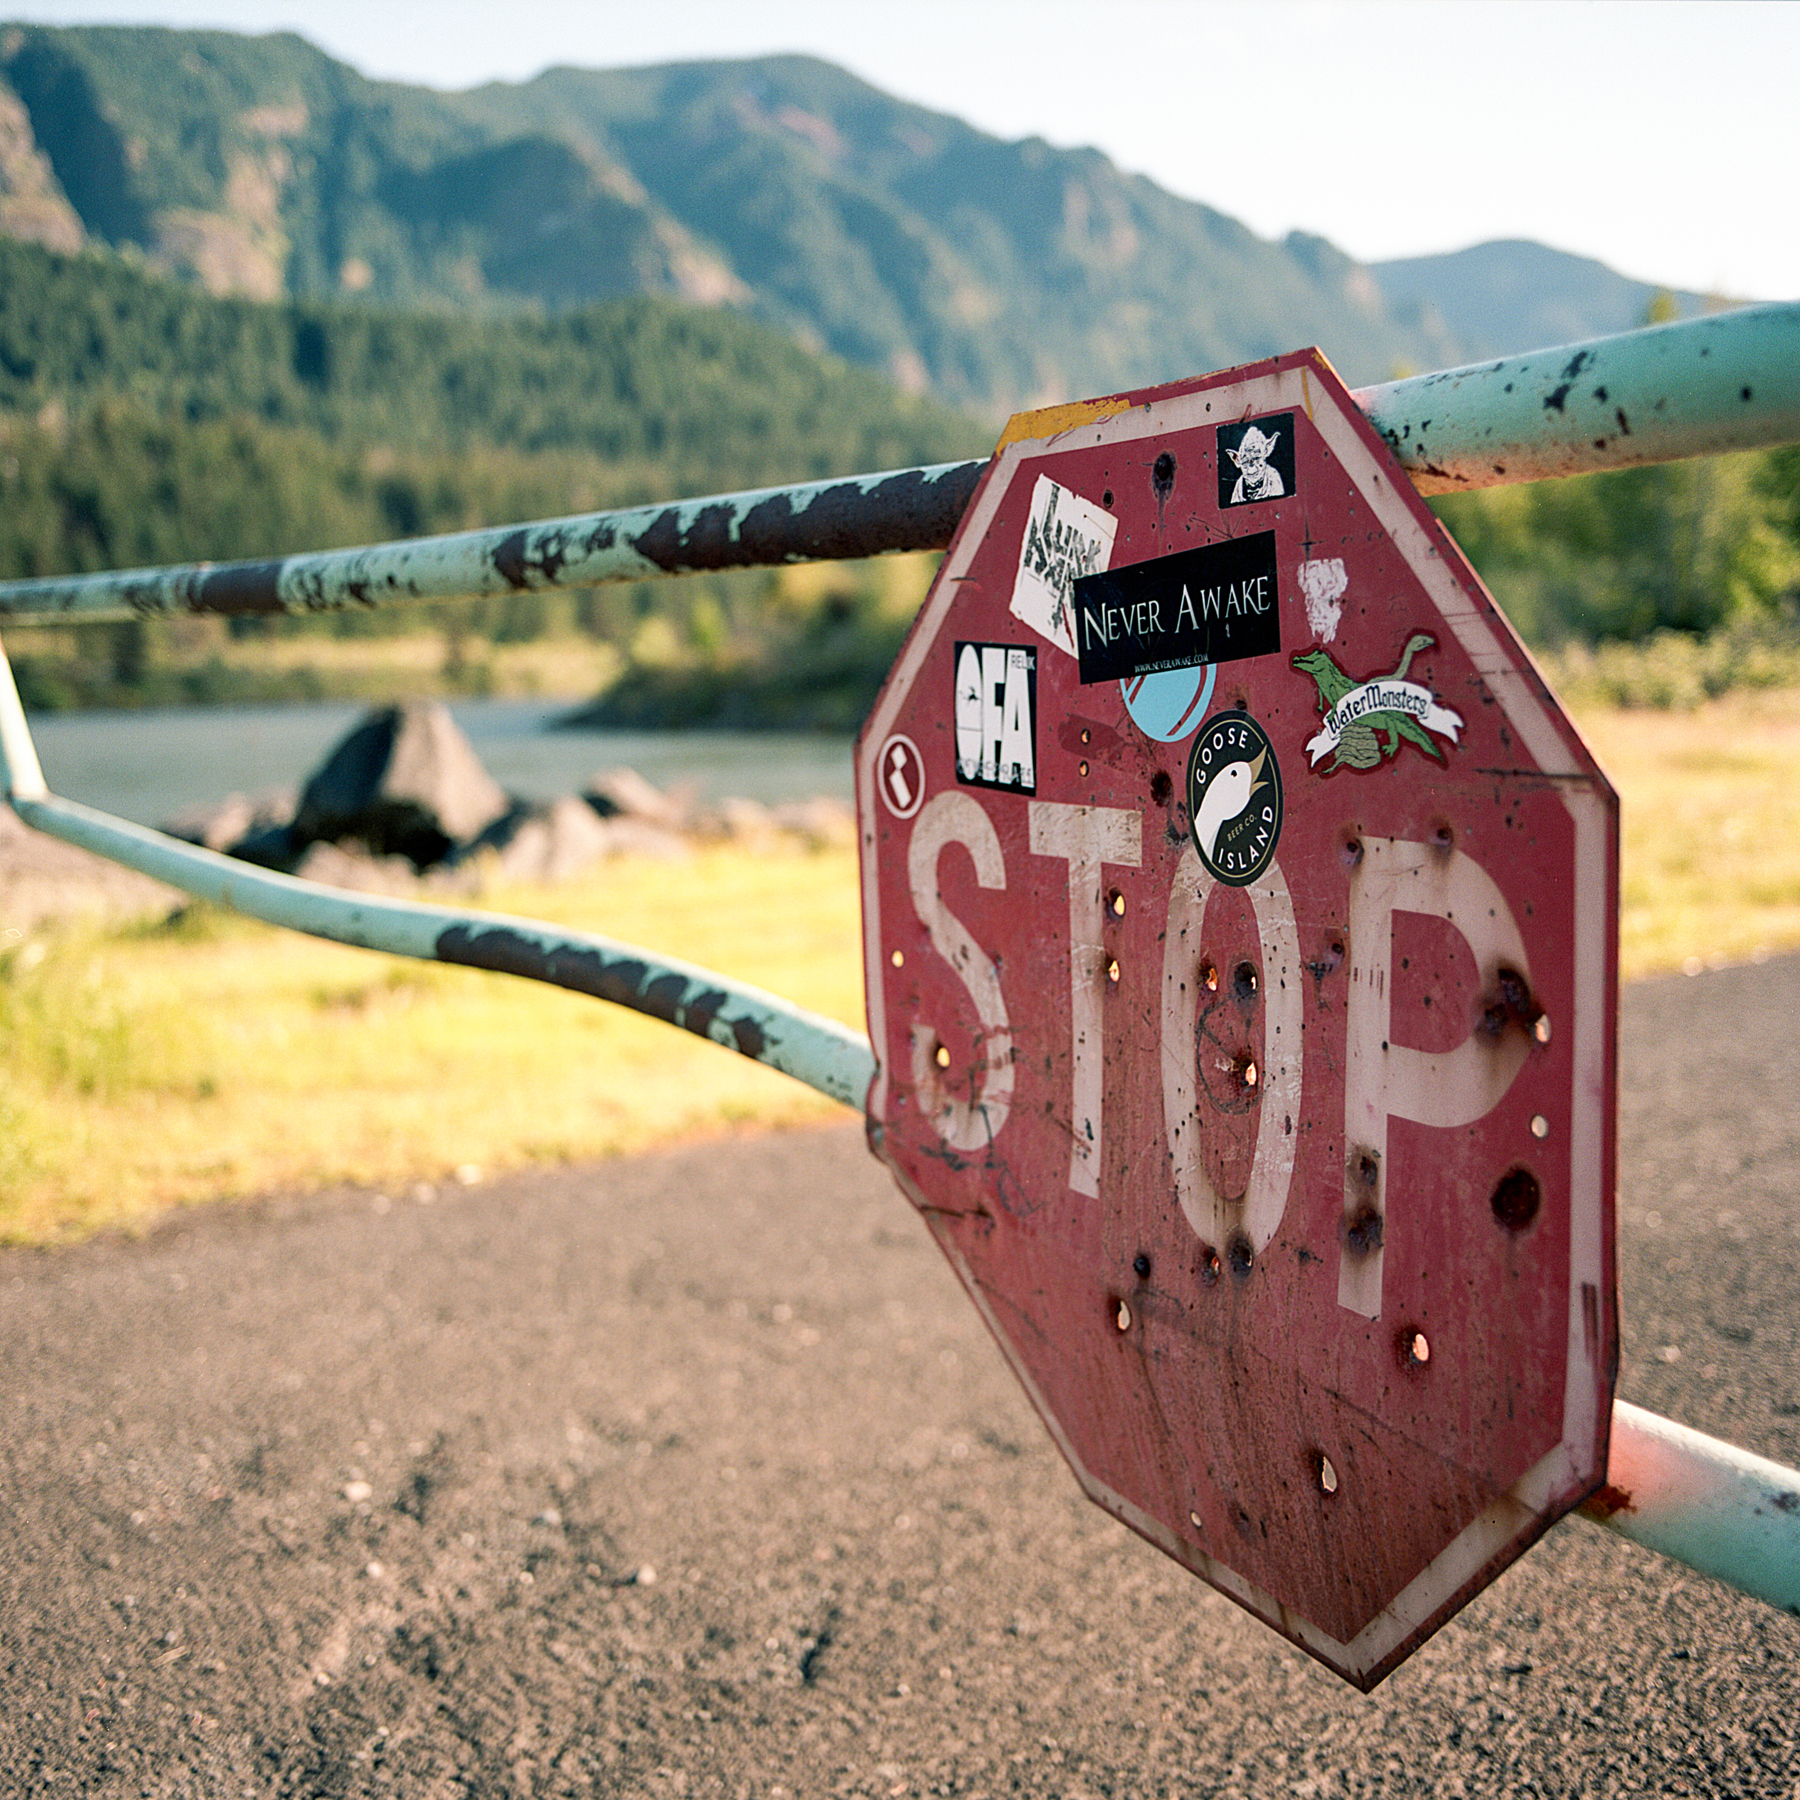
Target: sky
1656,135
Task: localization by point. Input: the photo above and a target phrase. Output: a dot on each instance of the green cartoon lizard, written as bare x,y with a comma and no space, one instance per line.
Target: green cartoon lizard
1357,745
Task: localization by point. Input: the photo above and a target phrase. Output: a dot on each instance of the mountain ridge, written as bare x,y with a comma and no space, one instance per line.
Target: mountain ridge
994,274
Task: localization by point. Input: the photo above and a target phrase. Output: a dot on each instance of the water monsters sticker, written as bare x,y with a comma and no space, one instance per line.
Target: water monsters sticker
1065,537
1360,715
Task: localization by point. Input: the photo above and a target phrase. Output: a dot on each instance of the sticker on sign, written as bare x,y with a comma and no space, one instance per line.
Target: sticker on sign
1242,987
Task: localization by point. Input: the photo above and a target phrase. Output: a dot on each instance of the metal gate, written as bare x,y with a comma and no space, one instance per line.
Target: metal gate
1727,382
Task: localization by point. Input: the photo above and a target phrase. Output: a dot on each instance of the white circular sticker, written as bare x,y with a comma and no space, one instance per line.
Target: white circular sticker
900,774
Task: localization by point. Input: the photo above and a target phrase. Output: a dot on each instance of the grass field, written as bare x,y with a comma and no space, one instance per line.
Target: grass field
162,1064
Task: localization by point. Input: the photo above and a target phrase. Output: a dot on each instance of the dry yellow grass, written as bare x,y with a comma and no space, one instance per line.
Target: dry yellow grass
154,1067
1710,810
159,1066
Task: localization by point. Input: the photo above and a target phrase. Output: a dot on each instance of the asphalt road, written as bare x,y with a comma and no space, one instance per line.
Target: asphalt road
695,1474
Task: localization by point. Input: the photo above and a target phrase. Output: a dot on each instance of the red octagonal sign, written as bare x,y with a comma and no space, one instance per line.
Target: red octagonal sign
1242,962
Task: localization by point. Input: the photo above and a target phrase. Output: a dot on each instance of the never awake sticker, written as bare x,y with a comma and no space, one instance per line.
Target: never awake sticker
1359,715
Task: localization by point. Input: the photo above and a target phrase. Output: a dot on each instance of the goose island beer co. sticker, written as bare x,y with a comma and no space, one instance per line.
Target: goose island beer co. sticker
1234,798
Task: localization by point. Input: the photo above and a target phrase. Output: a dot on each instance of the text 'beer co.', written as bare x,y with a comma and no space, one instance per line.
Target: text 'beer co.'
1240,959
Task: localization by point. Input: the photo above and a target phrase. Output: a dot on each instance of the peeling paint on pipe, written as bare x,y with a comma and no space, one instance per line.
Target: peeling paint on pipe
1727,382
1704,1502
822,1053
819,521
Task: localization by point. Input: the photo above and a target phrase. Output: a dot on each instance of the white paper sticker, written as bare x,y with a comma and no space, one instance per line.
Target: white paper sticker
1323,582
1065,537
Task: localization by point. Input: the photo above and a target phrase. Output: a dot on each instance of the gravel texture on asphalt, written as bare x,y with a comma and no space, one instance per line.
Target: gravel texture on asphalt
695,1474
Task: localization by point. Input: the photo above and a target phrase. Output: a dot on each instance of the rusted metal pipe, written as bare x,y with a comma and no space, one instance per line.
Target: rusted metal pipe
1728,382
817,521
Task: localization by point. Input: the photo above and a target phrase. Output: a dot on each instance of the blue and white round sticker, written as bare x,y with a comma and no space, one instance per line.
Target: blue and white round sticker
1169,704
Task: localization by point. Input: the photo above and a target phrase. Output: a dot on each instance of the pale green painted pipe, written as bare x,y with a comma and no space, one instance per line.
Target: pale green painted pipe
1730,381
1727,382
1704,1502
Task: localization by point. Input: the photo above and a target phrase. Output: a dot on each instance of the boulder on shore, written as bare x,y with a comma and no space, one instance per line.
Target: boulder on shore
625,794
405,782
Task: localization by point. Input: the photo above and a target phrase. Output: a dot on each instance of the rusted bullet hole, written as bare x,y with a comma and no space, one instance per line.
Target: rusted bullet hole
1241,1255
1209,976
1116,902
1122,1314
1365,1168
1363,1231
1442,837
1515,994
942,1056
1352,852
1140,1266
1249,1074
1112,971
1084,768
1517,1197
1326,1473
1244,983
1209,1265
1087,737
1106,498
1161,787
1415,1349
1510,1003
1540,1028
1162,475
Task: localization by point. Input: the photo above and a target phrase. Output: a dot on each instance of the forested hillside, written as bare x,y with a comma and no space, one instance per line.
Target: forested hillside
142,422
993,274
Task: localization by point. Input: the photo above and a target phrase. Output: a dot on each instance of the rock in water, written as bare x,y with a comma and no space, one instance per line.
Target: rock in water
405,782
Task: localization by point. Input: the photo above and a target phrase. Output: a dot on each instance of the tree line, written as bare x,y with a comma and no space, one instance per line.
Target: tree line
142,422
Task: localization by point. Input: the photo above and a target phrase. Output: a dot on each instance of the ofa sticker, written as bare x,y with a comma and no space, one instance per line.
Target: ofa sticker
1256,460
1066,537
1365,722
1234,798
996,716
1212,604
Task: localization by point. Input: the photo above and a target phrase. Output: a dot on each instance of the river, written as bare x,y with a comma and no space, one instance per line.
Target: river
146,766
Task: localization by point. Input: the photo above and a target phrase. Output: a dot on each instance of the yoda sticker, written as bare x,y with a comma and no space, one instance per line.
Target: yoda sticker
1256,460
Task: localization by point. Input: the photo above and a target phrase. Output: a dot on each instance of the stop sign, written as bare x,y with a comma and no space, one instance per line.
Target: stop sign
1241,966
